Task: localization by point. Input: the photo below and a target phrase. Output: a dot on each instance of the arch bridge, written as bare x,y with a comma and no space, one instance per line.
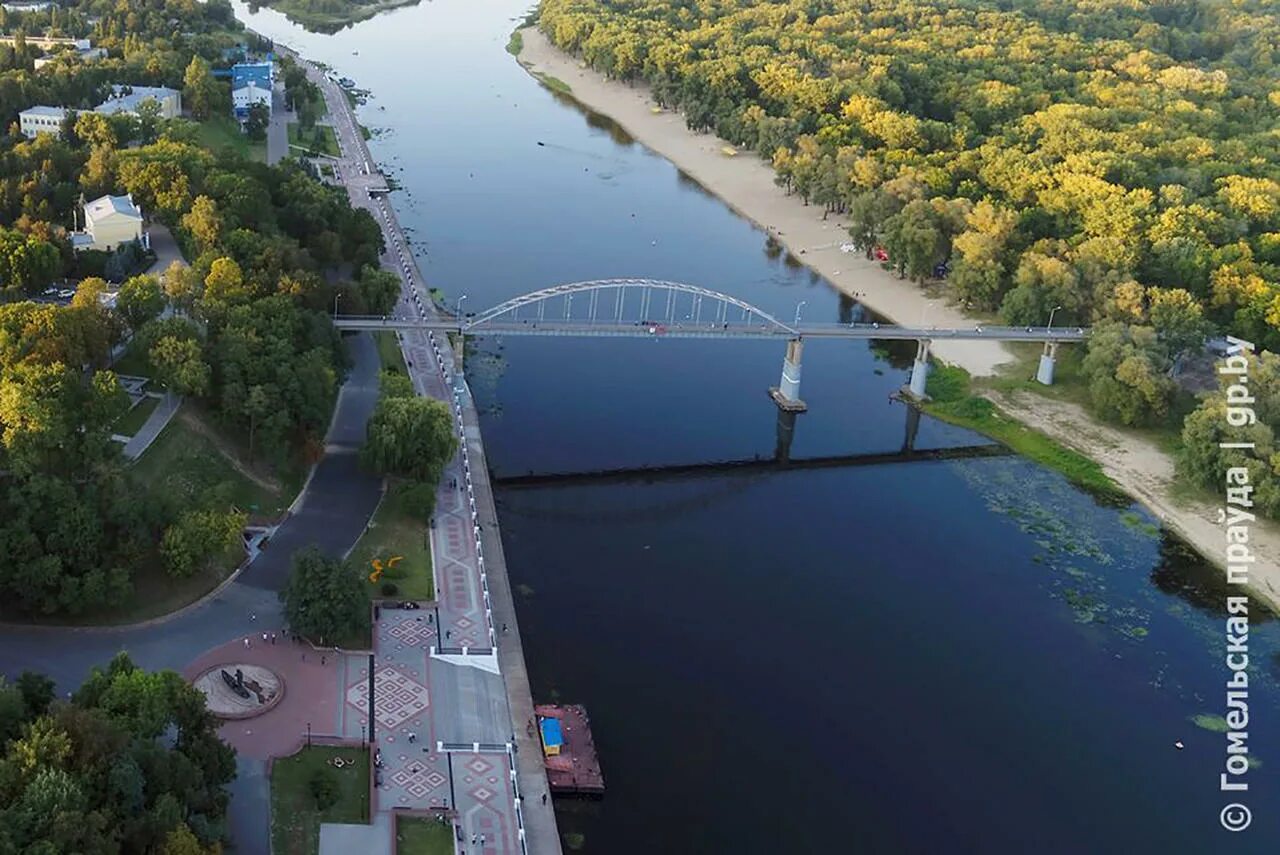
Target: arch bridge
651,308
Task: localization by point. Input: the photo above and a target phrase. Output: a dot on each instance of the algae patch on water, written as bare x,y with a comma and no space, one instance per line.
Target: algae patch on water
1215,723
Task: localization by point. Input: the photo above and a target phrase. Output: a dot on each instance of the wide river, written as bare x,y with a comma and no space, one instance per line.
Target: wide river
965,656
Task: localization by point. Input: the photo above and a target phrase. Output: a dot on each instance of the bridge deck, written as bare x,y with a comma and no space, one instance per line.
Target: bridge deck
632,329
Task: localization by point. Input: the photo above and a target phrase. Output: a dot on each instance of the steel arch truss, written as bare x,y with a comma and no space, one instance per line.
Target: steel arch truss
704,305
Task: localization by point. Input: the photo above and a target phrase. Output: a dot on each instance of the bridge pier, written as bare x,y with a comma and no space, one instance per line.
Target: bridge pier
787,393
1047,361
920,370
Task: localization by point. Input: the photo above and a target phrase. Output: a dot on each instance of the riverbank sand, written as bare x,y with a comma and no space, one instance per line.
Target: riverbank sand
745,183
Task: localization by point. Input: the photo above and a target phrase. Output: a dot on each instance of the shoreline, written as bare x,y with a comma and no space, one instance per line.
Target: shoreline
744,183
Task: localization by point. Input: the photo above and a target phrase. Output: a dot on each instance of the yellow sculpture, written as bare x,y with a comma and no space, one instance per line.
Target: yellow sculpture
378,566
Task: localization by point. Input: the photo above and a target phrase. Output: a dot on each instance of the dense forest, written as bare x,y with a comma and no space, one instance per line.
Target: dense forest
1120,160
131,762
243,329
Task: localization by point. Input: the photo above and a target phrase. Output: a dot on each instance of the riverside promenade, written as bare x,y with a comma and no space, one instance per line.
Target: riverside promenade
470,568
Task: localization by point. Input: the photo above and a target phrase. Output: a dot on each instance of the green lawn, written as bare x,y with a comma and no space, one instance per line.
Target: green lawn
420,835
220,132
295,818
192,466
321,140
395,531
389,352
132,421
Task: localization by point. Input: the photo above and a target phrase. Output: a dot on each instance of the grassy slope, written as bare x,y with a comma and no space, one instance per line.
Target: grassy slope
219,132
330,140
295,821
389,352
393,531
952,401
187,465
132,421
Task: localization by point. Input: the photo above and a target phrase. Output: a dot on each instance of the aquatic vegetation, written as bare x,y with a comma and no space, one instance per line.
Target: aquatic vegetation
1215,723
1138,524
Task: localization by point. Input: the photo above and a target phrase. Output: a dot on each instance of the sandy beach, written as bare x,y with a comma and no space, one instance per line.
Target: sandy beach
745,183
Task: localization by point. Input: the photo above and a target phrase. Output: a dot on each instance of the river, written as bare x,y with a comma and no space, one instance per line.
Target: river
927,657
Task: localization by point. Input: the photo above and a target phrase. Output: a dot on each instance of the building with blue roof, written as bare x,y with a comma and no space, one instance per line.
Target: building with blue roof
260,74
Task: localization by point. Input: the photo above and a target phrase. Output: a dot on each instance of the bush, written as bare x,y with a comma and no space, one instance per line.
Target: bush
947,383
324,788
419,499
389,589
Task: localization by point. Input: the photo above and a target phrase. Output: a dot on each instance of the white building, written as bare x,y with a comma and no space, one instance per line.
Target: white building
70,56
248,95
41,120
129,99
109,222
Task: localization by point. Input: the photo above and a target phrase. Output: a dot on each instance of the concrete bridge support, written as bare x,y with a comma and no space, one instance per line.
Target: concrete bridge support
1047,361
787,393
920,369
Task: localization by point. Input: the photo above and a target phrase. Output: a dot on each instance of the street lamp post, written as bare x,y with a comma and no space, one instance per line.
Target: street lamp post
335,303
1051,314
799,306
460,299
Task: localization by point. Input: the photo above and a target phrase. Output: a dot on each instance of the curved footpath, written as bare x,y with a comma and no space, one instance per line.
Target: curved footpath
333,510
745,183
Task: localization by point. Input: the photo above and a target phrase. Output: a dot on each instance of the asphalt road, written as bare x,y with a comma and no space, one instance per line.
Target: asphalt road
340,498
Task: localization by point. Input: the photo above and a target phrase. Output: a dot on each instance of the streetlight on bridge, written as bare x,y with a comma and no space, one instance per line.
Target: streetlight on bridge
799,306
1049,328
460,299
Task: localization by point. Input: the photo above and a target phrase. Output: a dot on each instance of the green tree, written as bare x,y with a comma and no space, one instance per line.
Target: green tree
204,223
179,364
199,88
199,539
181,287
412,437
1127,370
255,126
1178,320
324,598
380,289
140,300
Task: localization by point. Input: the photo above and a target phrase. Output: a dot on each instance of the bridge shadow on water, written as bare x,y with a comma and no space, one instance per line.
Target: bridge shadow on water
780,461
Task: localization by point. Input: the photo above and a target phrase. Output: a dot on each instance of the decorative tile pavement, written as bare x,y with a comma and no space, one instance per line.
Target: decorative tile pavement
413,631
399,697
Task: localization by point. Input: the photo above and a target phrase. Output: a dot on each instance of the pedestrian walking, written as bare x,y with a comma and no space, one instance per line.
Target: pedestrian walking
321,660
246,641
504,627
273,638
448,633
544,798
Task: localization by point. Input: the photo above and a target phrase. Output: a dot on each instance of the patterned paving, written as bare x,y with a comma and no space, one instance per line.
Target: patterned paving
413,632
399,697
